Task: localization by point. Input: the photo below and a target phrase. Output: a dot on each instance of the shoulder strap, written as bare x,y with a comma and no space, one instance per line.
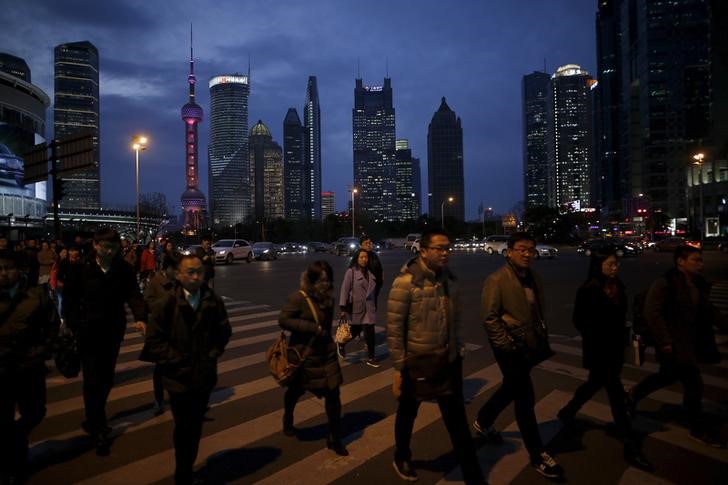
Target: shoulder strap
311,306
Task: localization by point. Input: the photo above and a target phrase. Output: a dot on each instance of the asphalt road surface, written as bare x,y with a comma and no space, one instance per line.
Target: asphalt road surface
243,443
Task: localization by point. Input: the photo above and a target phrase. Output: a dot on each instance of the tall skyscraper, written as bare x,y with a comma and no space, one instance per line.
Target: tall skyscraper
445,164
406,177
229,169
534,91
374,150
76,107
328,203
193,201
312,149
293,166
266,162
570,137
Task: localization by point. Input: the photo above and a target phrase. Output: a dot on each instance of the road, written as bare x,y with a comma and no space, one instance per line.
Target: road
242,441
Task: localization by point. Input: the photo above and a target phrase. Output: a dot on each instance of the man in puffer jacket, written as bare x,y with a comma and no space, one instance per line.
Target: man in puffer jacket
423,318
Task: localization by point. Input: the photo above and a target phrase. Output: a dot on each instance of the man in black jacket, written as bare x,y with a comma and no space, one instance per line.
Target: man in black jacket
188,330
28,326
94,296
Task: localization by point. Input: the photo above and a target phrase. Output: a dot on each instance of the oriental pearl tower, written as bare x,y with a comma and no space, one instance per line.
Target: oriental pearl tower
193,201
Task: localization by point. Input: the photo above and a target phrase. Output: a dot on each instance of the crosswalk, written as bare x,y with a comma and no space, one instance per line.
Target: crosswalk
242,440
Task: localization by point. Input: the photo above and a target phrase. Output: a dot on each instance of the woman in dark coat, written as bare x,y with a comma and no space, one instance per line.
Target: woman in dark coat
320,372
359,297
600,315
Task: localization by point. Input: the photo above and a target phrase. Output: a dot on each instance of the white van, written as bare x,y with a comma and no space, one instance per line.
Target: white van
411,238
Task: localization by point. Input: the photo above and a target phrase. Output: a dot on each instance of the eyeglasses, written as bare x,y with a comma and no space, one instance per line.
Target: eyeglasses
524,251
439,249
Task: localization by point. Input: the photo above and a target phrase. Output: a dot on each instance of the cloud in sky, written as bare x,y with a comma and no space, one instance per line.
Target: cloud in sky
472,52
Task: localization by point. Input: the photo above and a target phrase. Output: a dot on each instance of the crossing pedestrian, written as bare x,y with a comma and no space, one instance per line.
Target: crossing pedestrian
188,331
680,318
28,326
207,256
423,325
94,298
600,315
308,314
374,265
512,309
357,303
148,263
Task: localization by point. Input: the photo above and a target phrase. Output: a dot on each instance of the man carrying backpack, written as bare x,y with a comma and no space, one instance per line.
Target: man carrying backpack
680,319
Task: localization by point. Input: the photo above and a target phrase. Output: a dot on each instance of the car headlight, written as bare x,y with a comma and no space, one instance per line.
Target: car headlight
352,245
221,252
265,251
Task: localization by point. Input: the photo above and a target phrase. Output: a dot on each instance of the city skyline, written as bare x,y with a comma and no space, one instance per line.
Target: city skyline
474,56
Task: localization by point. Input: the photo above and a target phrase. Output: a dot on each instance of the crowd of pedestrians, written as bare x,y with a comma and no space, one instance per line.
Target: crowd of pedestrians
86,288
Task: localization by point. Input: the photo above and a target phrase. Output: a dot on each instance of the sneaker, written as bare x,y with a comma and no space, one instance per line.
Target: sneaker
707,439
341,351
405,470
372,362
547,466
489,433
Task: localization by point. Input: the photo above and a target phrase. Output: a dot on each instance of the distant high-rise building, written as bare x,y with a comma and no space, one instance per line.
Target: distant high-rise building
570,137
15,66
374,150
229,169
406,177
193,201
76,107
328,203
266,162
445,164
312,151
534,92
293,166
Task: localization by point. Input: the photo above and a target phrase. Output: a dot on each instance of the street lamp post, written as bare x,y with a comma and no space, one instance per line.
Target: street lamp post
698,157
353,212
442,211
139,143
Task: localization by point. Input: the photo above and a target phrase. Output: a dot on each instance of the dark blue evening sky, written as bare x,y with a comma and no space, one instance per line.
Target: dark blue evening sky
473,52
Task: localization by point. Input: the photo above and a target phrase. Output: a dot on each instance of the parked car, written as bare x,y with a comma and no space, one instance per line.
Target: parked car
318,247
544,251
460,244
619,247
411,239
346,246
670,243
415,246
228,250
496,244
264,251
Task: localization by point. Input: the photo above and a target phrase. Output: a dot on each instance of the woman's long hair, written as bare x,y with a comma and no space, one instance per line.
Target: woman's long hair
354,263
311,282
595,265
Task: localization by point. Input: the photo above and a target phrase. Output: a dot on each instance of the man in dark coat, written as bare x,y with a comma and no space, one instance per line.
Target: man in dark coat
28,325
188,330
94,296
207,256
681,318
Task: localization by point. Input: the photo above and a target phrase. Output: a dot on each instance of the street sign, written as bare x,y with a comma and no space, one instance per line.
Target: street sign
76,152
36,164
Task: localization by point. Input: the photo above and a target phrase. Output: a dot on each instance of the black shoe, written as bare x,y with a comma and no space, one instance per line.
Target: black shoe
567,418
103,445
490,434
636,459
288,428
405,470
158,408
337,446
372,362
547,466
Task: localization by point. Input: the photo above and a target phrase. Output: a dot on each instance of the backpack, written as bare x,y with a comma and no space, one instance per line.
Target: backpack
279,366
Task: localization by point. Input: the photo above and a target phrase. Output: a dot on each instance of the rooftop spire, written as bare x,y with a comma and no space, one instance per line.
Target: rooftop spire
191,78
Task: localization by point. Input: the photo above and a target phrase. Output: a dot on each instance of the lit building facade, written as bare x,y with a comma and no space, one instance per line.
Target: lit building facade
328,203
266,162
445,164
76,107
15,66
407,178
374,150
293,166
228,152
194,206
534,95
569,139
312,151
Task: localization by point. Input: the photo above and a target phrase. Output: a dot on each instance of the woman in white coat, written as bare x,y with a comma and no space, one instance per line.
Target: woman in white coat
357,302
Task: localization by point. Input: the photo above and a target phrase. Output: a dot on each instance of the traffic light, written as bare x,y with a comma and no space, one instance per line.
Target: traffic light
59,189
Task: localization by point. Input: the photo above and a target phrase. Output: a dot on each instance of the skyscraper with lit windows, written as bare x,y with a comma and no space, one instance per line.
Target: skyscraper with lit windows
312,151
534,90
293,166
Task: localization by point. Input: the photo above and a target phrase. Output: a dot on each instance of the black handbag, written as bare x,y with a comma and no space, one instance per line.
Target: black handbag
428,374
533,342
67,358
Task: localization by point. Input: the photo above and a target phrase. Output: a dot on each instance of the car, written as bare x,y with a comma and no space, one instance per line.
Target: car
670,243
190,249
318,247
411,239
496,244
346,246
415,246
544,251
619,247
460,244
264,251
228,250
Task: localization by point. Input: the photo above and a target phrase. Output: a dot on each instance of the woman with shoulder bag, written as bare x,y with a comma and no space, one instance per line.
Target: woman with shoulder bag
358,299
308,313
600,312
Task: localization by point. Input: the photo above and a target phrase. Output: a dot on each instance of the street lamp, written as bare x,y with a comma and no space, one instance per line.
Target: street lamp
139,143
442,211
353,212
698,157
